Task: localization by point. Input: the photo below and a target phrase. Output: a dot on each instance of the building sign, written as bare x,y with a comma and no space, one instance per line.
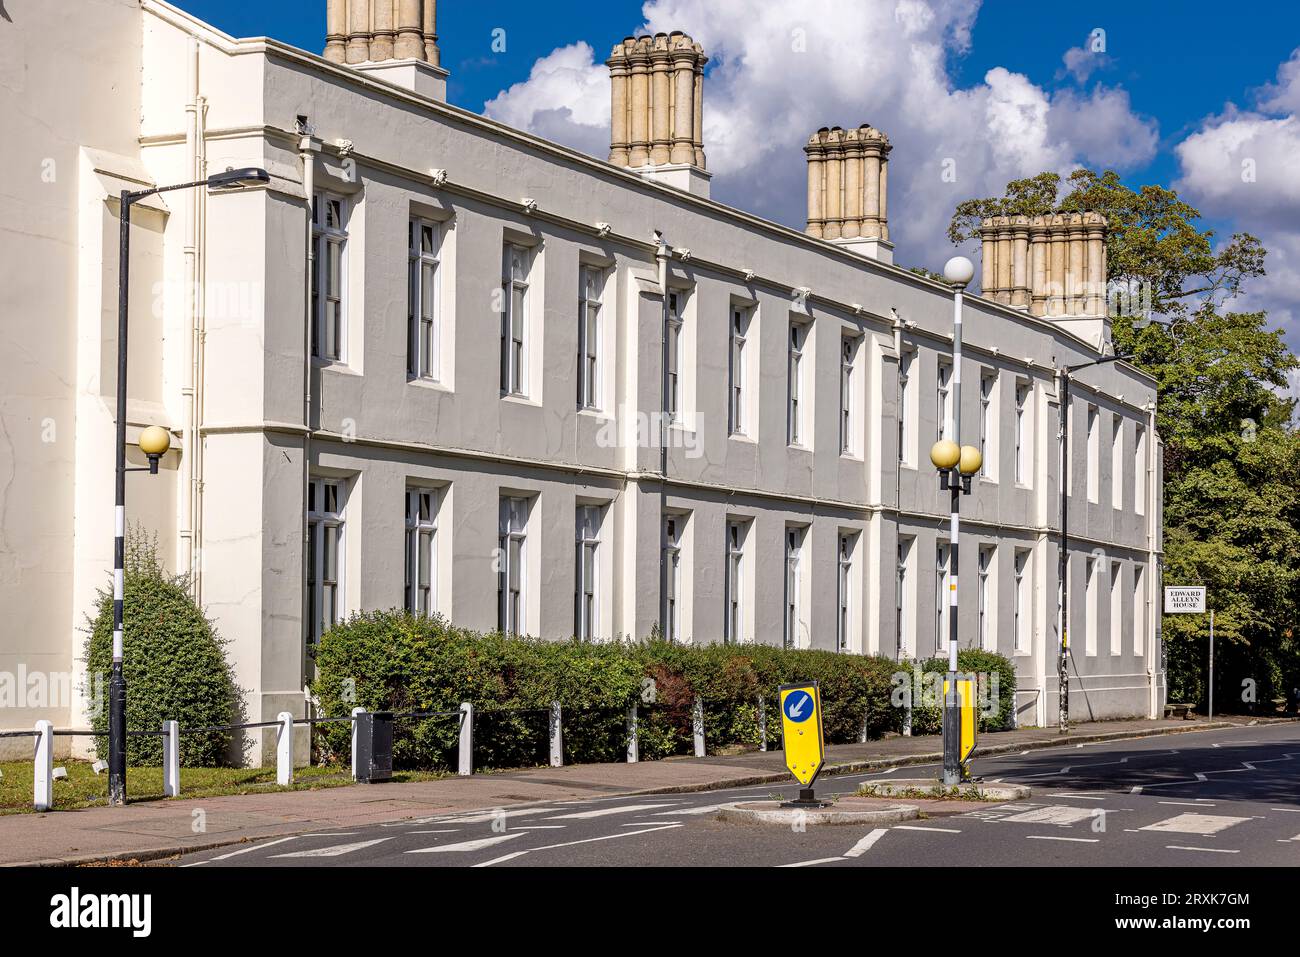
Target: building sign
1184,600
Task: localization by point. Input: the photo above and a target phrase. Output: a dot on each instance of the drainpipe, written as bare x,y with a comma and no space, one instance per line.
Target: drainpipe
188,475
1152,577
307,149
663,252
1063,559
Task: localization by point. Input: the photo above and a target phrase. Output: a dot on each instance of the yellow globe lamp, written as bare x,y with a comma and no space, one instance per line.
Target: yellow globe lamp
945,454
970,461
154,441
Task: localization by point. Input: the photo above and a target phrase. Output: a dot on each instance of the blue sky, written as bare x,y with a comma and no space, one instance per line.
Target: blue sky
1171,100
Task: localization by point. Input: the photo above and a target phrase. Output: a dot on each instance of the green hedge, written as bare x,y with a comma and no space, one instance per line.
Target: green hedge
986,665
392,660
173,660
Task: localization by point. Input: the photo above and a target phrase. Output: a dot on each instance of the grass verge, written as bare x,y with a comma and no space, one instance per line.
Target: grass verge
84,788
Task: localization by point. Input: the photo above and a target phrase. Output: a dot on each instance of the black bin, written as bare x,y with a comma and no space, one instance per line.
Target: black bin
374,746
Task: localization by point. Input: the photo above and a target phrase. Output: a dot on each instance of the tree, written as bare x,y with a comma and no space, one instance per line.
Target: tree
1231,455
173,660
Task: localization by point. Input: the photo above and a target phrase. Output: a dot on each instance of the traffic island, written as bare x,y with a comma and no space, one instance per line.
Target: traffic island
931,789
845,810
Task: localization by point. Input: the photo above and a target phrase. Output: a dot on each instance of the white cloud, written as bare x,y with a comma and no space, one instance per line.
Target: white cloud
1241,166
779,71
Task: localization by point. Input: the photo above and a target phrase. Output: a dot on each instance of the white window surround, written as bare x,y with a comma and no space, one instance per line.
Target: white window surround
904,599
516,306
424,306
326,553
1141,610
799,375
907,408
513,565
987,597
851,394
942,578
591,337
421,552
1021,607
943,399
795,632
1140,469
587,572
1091,607
680,404
675,609
1117,461
1116,621
738,377
989,425
330,286
847,592
1093,452
737,619
1024,434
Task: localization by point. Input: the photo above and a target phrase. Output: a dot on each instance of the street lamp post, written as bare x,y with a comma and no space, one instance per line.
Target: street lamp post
1062,559
154,441
956,465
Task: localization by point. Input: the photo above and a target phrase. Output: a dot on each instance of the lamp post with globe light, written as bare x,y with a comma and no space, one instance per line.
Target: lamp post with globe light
956,464
154,441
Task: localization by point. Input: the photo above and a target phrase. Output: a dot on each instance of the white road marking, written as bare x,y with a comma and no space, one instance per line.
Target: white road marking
820,860
643,823
482,817
1136,789
1051,814
448,831
705,809
1202,824
1289,810
498,860
1289,840
335,850
1050,837
936,830
540,827
1187,804
864,845
465,846
242,850
1209,850
603,812
332,834
1080,797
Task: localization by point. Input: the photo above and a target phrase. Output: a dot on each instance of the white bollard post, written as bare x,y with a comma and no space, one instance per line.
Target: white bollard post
171,759
284,750
762,724
862,734
466,739
355,712
697,720
557,736
43,786
633,745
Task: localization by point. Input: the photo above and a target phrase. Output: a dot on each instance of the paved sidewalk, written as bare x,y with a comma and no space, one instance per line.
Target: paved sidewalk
155,829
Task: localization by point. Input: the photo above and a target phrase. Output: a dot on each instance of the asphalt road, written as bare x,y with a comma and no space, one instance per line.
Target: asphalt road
1214,798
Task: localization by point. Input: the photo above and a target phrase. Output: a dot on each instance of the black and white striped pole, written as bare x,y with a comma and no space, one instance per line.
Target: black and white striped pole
956,464
153,442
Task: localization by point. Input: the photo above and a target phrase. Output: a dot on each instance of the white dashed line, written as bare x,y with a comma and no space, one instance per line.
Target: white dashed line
935,830
1187,804
242,850
465,846
603,812
864,845
820,860
335,850
1208,850
1051,837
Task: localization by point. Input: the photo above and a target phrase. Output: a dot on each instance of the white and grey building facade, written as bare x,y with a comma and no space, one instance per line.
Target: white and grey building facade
443,364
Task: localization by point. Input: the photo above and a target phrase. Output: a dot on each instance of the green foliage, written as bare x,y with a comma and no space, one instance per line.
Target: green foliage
397,661
987,666
172,658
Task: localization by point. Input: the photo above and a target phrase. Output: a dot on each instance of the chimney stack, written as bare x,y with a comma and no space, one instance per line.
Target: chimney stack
656,88
847,185
396,40
1052,266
